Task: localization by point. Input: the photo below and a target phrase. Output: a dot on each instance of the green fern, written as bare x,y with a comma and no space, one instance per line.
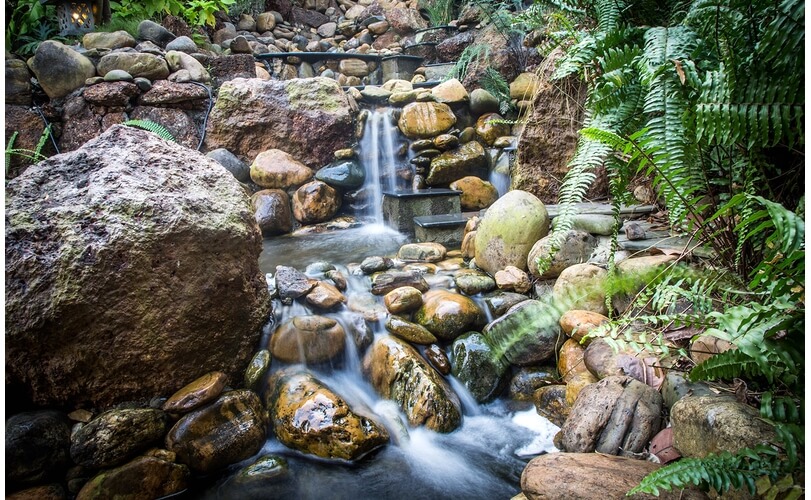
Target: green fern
153,127
472,55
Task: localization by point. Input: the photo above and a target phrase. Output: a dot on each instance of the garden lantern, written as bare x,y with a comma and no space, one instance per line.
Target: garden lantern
75,18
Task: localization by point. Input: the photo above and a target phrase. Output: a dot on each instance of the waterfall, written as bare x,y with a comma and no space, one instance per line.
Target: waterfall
379,159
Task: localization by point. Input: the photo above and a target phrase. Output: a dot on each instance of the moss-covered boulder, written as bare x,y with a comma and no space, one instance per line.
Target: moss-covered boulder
508,231
150,476
470,159
308,416
253,115
476,367
131,268
398,372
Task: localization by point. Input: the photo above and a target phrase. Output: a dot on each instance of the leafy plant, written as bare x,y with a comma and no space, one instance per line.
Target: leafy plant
194,12
33,155
153,127
440,12
29,24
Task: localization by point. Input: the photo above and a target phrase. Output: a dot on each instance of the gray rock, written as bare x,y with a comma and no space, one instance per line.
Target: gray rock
594,223
137,64
60,70
292,283
375,264
676,386
114,40
383,283
712,424
346,174
228,431
272,211
238,168
615,416
576,248
118,75
143,83
267,472
499,302
155,33
110,202
482,102
472,282
529,331
474,366
116,436
37,446
165,478
182,44
18,82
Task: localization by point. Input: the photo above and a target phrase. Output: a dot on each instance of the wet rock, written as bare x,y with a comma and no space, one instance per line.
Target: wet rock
576,383
476,193
551,403
408,331
383,283
570,360
529,331
253,115
508,231
325,296
115,436
712,424
472,282
421,252
313,338
489,129
238,168
272,211
143,478
337,278
155,33
450,92
292,283
401,300
581,286
47,492
59,69
347,174
577,323
499,302
308,416
267,473
438,358
598,476
315,202
470,159
529,379
447,314
375,94
421,120
37,446
375,263
513,279
445,142
18,83
113,40
615,416
524,86
576,248
196,394
137,64
367,305
128,196
398,372
256,370
474,365
276,169
225,432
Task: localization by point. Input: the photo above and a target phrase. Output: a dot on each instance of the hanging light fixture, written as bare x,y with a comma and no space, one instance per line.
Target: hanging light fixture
75,18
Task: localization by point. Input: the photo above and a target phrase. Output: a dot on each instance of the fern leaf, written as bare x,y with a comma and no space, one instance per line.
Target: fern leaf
153,127
725,366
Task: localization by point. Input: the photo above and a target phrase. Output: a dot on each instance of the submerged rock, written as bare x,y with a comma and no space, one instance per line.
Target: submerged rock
476,367
310,339
308,416
615,416
447,314
508,231
143,478
398,372
116,436
194,395
227,431
161,250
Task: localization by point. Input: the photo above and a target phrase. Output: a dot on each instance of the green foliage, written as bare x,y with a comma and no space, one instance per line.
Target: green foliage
153,127
29,24
493,82
34,155
194,12
472,55
440,12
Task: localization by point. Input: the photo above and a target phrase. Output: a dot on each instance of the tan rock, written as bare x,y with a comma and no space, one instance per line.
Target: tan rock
570,360
476,193
408,331
422,252
577,323
194,395
488,130
447,315
524,86
353,67
315,338
450,91
582,287
275,168
315,202
421,120
513,279
576,384
325,296
403,300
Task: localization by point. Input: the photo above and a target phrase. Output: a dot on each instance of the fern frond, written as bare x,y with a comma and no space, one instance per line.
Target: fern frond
725,366
473,54
153,127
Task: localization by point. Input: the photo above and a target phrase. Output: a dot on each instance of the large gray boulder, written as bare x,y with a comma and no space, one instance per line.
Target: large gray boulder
59,69
131,268
308,118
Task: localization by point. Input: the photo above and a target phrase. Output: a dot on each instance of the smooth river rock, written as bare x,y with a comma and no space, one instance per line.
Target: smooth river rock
60,70
131,266
196,394
277,169
37,446
310,417
143,478
447,314
527,334
116,436
475,366
576,248
315,338
420,120
508,231
469,159
398,372
225,432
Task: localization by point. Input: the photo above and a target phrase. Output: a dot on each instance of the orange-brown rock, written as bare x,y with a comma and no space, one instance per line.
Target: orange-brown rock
194,395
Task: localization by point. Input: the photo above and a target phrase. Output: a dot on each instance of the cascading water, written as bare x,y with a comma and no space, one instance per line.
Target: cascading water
482,459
